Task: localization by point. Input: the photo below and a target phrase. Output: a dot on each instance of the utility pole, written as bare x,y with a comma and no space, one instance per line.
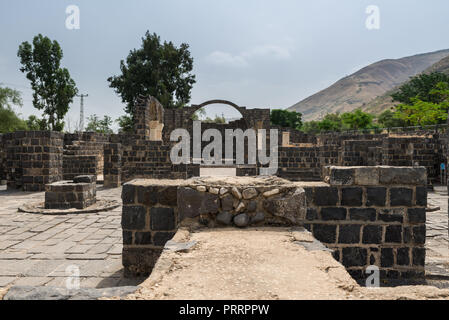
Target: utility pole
82,96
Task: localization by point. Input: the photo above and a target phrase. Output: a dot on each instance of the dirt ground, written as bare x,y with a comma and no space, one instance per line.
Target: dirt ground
263,263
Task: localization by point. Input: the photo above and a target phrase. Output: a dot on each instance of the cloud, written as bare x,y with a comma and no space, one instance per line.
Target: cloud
244,59
226,59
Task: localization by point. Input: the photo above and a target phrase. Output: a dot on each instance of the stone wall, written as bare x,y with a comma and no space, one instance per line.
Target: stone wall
367,215
79,193
2,158
34,158
305,161
372,216
153,209
79,165
85,144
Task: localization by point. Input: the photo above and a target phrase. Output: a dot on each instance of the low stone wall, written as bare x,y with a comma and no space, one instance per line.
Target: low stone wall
79,165
79,193
367,215
153,209
2,160
372,216
34,159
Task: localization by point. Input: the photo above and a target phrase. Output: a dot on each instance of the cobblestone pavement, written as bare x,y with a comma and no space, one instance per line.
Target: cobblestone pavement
437,242
37,249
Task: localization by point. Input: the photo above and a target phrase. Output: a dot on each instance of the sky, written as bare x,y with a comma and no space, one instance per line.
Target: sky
255,53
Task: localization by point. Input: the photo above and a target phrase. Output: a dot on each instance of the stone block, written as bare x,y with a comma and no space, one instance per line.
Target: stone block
351,196
376,196
419,256
403,256
291,206
386,257
162,219
325,232
401,197
85,179
402,176
134,217
372,234
354,257
139,261
333,214
362,214
325,196
142,238
393,234
160,238
416,215
349,234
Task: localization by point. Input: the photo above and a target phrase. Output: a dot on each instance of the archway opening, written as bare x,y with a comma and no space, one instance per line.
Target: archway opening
221,118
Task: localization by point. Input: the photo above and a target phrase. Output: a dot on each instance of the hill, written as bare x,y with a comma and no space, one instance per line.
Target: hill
361,89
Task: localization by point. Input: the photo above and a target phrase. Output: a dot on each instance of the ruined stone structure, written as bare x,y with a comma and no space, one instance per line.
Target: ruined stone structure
370,210
79,193
153,209
367,215
29,160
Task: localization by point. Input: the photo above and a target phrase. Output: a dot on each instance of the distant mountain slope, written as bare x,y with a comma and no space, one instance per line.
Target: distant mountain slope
385,101
360,88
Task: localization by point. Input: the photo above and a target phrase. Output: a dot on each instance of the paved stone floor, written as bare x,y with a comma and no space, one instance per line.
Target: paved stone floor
37,249
437,242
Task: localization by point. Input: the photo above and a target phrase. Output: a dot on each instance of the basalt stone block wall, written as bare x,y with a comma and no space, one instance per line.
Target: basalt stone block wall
406,151
86,144
149,220
306,163
424,148
2,159
372,216
359,152
79,165
79,193
34,159
152,211
112,173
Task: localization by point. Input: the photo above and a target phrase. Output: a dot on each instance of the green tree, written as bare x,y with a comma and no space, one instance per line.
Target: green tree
10,97
53,87
158,69
9,120
331,122
420,112
389,119
34,123
217,119
96,124
199,114
311,127
125,123
357,120
420,87
286,119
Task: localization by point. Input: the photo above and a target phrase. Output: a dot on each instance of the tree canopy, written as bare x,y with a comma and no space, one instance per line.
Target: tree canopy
420,87
95,124
9,120
53,87
286,119
161,70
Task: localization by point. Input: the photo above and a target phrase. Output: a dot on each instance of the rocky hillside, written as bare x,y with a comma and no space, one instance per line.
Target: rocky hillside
385,102
361,88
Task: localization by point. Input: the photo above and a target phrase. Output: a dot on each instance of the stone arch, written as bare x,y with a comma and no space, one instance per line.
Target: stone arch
241,110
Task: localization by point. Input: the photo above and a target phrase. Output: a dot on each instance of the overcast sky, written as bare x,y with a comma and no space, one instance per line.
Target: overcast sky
255,53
